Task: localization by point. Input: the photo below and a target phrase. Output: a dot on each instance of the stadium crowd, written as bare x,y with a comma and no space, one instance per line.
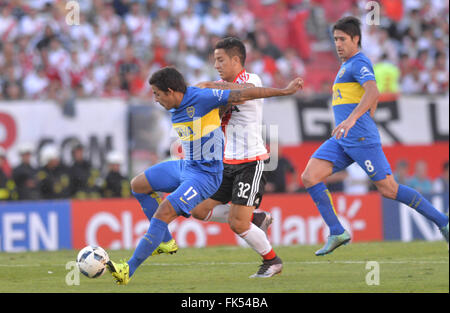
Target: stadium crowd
119,42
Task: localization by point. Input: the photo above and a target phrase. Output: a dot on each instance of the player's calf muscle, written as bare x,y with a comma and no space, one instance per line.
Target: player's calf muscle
240,218
388,187
166,212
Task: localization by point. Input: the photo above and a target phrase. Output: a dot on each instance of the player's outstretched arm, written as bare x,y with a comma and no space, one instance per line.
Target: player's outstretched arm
240,95
223,85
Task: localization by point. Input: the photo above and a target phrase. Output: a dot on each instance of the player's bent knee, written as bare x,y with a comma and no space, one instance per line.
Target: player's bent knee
308,179
139,184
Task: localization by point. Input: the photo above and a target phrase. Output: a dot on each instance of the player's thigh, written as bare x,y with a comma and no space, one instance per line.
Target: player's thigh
248,184
372,160
164,176
329,158
202,210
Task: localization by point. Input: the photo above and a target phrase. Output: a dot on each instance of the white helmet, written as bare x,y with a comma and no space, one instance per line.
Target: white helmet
48,153
25,147
114,157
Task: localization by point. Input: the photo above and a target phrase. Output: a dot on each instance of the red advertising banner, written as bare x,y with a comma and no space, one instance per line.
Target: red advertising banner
297,220
119,224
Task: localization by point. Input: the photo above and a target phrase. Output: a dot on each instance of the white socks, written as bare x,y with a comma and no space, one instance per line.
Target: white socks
219,214
256,238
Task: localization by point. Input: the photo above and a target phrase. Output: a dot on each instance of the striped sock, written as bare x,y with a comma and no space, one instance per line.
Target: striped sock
151,240
415,200
322,198
149,204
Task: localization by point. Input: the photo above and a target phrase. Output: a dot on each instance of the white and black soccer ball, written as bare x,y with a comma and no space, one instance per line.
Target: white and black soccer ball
92,261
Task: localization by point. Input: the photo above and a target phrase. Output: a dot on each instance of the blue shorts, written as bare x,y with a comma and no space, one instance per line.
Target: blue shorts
188,184
370,158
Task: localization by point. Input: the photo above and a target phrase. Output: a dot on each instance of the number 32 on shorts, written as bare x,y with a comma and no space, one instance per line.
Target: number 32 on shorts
243,190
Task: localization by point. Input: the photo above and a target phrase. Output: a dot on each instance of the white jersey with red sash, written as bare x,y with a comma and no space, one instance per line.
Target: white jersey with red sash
242,126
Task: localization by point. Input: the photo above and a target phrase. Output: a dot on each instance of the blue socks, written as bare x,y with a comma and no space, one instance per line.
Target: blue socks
415,200
149,204
406,195
151,240
322,198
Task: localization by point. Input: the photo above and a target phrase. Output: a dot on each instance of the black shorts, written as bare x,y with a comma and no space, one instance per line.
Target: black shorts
242,184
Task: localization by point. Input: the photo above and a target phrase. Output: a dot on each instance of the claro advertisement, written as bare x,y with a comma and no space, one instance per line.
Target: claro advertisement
119,224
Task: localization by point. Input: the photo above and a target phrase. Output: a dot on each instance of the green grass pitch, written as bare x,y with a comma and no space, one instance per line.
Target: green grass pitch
403,267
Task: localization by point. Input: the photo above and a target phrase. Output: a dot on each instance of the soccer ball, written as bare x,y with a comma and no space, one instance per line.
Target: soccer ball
92,261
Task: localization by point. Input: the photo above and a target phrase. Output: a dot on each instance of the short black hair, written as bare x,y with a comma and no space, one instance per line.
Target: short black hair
351,26
233,47
168,78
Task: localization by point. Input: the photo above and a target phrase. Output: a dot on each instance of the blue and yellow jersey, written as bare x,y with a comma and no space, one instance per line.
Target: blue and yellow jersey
347,94
197,123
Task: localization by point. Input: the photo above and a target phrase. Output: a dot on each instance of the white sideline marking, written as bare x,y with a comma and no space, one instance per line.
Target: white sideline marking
249,263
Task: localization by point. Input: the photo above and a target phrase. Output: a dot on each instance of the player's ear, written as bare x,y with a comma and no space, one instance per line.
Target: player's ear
236,59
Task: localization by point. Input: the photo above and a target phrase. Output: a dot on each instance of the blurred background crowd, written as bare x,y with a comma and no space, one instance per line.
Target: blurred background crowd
118,43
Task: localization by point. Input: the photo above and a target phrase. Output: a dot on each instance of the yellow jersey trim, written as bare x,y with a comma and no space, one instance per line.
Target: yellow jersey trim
198,128
345,93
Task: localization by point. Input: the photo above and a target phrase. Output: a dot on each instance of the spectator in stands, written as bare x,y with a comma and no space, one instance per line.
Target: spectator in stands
416,34
401,173
24,174
12,91
53,177
441,184
357,182
264,44
115,185
420,181
9,28
7,186
387,75
277,180
216,21
127,66
83,177
413,83
36,83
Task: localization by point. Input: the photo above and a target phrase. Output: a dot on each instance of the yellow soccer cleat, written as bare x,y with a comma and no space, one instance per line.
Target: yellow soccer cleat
169,247
120,272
